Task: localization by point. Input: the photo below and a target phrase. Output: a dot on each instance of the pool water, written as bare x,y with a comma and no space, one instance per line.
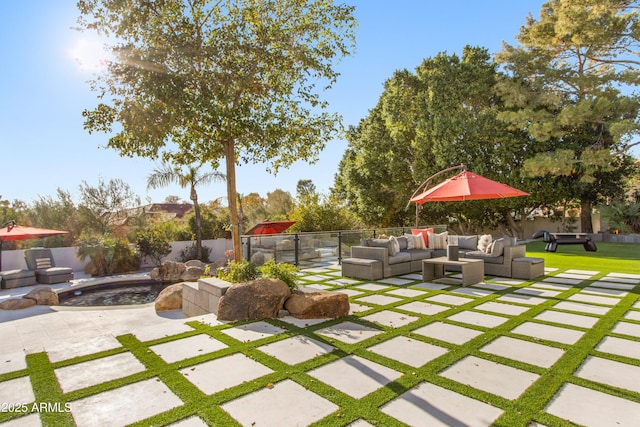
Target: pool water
117,293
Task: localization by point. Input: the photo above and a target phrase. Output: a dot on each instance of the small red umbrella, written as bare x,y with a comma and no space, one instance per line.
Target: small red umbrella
19,232
467,186
270,227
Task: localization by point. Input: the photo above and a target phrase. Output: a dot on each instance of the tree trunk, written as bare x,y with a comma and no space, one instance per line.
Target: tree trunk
196,208
514,227
586,226
230,158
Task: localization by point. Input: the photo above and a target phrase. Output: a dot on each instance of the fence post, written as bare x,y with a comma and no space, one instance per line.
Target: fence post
339,247
296,241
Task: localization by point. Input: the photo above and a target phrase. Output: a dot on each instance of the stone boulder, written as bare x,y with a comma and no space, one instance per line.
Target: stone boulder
317,305
192,273
43,295
170,298
257,299
169,271
17,304
195,263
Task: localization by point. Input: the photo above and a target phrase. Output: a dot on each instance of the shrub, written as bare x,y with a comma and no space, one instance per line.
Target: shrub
152,243
108,257
283,271
190,252
238,272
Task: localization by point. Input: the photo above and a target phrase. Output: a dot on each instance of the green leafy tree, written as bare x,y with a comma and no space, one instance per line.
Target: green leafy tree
321,213
153,243
279,203
443,115
570,89
103,205
233,79
191,177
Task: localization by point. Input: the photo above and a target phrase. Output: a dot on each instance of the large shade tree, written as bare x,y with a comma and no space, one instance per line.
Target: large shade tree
570,87
442,115
189,177
201,81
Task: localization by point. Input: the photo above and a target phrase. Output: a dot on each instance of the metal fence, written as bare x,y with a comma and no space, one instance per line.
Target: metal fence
313,248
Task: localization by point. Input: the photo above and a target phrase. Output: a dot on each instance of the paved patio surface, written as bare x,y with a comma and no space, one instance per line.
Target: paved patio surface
411,353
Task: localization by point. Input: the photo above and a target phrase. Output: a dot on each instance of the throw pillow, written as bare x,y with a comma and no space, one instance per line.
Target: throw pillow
43,263
410,241
483,242
498,247
395,246
402,240
438,241
489,248
424,232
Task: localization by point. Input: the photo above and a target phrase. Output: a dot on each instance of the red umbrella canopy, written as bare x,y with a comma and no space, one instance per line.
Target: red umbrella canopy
270,227
19,232
467,186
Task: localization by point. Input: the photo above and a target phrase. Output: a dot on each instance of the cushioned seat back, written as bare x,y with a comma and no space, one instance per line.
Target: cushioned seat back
39,258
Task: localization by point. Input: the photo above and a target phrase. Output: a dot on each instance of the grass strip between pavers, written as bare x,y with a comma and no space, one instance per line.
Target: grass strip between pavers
527,407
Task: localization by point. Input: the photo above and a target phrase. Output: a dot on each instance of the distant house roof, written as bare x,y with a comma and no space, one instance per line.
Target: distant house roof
159,211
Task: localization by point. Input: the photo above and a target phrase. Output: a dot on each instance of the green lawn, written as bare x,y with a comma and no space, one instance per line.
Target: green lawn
620,257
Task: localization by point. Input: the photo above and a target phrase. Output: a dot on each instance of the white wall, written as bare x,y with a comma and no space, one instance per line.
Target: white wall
67,257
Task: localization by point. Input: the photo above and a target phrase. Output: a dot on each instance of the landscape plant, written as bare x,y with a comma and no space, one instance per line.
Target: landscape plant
286,272
153,244
238,272
203,81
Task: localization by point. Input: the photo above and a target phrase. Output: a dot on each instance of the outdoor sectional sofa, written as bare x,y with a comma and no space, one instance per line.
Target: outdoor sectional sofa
376,258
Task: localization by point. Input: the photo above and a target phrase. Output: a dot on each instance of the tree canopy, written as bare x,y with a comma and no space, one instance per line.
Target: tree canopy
442,115
199,81
570,88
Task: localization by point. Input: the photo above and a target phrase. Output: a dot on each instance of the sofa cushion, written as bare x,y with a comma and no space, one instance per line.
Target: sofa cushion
468,242
418,254
415,241
377,243
488,258
438,241
400,258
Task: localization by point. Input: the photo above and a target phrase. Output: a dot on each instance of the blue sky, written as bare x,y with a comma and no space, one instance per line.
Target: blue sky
43,91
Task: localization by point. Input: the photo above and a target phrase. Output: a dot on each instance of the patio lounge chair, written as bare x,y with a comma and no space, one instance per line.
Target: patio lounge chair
16,278
41,262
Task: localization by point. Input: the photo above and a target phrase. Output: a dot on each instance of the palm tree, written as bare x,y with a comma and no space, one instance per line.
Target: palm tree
165,175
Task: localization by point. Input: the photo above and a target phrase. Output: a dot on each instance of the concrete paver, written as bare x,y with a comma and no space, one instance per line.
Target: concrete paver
548,332
424,308
355,376
120,406
409,351
488,376
567,318
186,348
390,318
449,299
591,408
430,405
478,319
93,372
610,372
349,332
497,307
524,351
378,299
449,333
619,346
220,374
296,349
273,406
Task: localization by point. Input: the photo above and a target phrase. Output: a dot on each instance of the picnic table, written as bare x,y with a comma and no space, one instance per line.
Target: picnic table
555,239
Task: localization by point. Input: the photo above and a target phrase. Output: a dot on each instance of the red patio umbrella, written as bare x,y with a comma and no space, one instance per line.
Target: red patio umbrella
270,227
18,232
467,186
464,186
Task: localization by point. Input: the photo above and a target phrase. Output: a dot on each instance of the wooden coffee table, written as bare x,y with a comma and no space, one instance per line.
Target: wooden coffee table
472,269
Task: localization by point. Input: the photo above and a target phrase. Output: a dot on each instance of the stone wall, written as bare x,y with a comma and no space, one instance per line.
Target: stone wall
202,297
